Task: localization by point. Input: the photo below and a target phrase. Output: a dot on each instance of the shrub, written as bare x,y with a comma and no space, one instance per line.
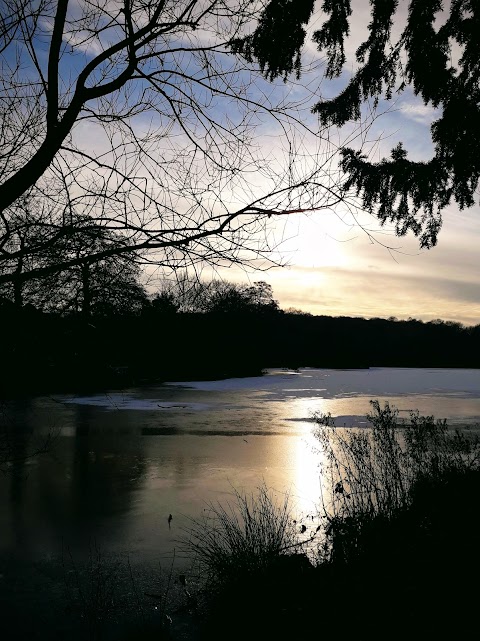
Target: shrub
243,537
374,475
254,568
401,527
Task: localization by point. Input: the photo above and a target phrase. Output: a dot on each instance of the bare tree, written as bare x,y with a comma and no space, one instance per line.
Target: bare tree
109,285
135,115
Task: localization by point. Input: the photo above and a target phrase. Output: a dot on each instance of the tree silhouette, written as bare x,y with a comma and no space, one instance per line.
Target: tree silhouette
138,115
87,287
214,297
144,116
436,55
232,298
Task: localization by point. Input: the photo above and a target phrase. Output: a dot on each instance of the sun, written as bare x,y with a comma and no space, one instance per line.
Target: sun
316,241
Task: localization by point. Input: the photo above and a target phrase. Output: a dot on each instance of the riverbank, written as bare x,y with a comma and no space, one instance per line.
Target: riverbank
411,578
47,353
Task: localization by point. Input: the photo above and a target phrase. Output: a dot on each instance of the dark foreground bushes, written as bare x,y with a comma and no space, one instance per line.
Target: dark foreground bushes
397,556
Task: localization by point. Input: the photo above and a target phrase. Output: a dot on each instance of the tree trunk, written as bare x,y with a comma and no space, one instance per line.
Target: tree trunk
18,280
87,294
18,292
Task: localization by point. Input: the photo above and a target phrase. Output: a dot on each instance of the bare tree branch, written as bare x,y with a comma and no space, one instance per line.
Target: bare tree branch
136,116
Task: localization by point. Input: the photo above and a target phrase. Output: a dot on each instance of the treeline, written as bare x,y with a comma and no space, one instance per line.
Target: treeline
203,330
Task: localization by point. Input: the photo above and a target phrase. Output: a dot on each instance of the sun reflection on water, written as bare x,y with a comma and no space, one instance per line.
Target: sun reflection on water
306,475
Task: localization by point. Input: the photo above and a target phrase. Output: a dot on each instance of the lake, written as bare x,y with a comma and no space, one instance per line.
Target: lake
121,462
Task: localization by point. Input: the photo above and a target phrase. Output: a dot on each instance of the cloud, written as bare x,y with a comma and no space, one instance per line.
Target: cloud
369,293
359,278
419,112
365,279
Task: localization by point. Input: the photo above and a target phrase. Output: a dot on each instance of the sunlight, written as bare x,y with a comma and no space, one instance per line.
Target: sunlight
316,241
320,252
306,477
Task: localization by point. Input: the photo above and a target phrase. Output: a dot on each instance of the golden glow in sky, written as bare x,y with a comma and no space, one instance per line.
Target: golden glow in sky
343,263
337,270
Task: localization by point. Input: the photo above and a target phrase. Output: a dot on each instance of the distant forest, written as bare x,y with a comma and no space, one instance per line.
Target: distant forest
54,341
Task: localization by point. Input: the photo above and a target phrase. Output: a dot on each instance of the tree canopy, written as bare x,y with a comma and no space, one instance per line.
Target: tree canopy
90,287
214,297
137,115
436,55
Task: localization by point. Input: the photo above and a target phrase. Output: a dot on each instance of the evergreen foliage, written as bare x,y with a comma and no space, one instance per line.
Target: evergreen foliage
409,194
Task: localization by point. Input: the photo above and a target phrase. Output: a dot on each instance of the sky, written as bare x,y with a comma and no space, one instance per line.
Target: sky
335,268
338,265
332,275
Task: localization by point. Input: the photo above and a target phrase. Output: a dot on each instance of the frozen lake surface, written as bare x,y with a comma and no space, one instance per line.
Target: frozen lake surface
445,393
121,462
